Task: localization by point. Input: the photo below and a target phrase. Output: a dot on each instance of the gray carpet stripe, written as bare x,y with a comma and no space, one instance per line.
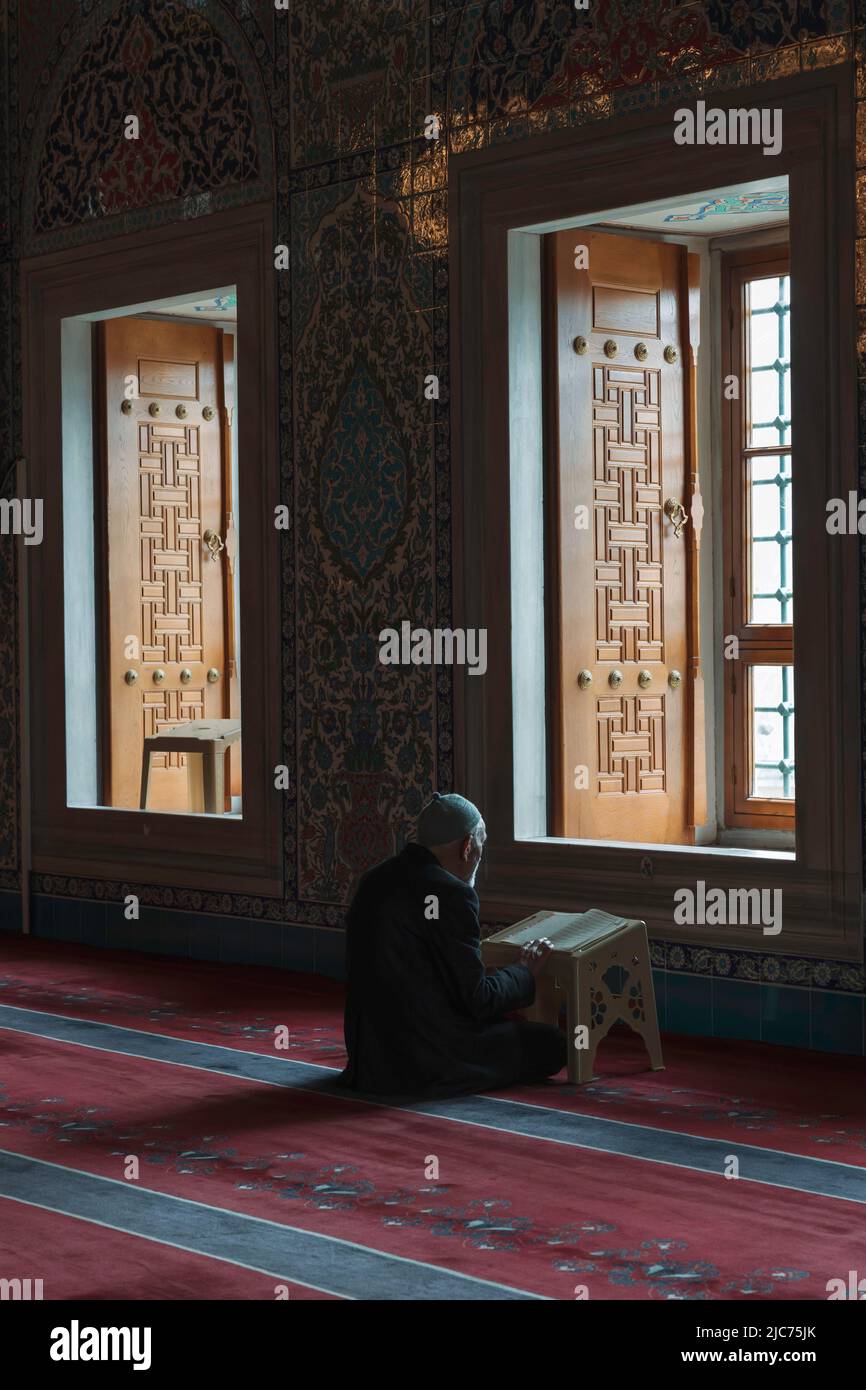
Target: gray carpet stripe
819,1176
325,1262
172,1244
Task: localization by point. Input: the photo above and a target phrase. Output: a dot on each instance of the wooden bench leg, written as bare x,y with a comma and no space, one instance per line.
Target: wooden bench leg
220,779
195,782
581,1060
650,1029
214,779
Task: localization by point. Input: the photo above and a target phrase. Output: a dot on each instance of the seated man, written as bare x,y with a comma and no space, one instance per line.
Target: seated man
422,1016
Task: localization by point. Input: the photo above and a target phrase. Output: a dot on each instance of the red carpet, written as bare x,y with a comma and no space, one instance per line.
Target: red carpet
778,1097
522,1212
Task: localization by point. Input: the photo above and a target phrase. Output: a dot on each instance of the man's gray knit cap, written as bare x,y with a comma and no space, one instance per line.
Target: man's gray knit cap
445,819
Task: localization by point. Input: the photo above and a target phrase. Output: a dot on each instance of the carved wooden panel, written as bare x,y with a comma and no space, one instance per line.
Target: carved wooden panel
162,379
163,709
631,743
625,311
170,520
627,446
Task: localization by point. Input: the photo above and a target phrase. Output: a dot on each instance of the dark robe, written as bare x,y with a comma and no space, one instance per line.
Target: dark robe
422,1016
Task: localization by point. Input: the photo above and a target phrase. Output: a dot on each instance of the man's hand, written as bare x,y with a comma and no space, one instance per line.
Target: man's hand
535,953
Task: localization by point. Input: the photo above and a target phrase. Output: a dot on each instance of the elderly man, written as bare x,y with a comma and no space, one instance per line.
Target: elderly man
422,1016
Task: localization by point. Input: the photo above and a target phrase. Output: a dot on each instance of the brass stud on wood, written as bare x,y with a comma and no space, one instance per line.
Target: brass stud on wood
610,348
180,412
154,408
579,344
126,407
641,352
208,412
671,354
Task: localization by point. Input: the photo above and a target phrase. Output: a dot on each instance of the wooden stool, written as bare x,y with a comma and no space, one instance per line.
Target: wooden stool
602,966
205,742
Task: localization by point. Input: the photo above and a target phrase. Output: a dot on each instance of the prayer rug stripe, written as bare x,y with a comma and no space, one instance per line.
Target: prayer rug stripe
81,1259
774,1097
283,1252
540,1217
823,1177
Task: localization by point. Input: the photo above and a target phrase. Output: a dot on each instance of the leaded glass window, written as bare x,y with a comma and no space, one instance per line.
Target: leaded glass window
759,541
772,708
768,427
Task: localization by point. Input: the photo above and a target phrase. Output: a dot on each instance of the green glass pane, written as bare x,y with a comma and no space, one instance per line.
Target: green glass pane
768,345
763,339
764,399
763,435
772,721
763,294
770,541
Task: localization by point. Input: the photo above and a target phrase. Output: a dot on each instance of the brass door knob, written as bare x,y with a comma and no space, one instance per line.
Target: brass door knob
213,675
131,677
674,680
677,513
214,543
158,676
615,679
584,679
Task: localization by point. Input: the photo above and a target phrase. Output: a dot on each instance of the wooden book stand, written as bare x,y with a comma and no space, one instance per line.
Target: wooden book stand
601,964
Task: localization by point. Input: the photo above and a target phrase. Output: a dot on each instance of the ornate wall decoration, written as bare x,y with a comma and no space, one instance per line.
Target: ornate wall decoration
741,204
513,57
364,463
358,70
362,478
202,140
